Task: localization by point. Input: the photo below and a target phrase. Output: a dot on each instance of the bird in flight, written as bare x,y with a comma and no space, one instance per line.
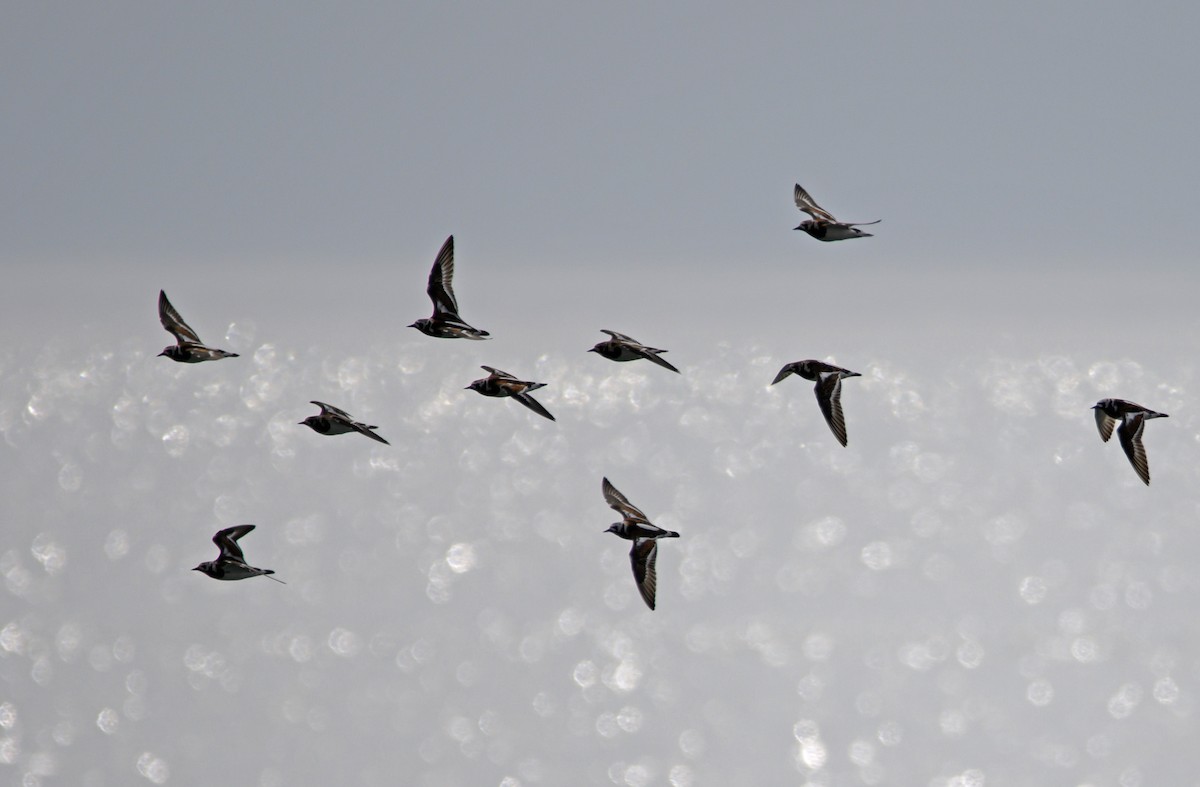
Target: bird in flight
828,390
635,527
231,563
445,322
1132,418
331,421
822,225
499,383
187,348
624,348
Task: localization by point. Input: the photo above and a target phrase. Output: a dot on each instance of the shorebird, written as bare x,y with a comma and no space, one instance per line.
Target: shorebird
187,348
624,348
635,527
445,322
1133,419
828,390
333,421
499,383
231,564
822,225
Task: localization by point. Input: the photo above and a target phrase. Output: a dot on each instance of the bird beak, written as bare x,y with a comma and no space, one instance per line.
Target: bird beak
161,354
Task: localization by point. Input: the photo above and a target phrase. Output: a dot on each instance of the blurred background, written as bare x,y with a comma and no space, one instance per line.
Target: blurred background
977,591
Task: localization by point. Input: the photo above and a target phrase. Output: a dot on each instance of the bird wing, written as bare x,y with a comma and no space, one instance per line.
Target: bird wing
619,503
533,404
498,373
829,397
806,203
1105,423
651,354
643,556
226,541
171,320
368,431
1130,433
441,277
619,336
328,409
784,372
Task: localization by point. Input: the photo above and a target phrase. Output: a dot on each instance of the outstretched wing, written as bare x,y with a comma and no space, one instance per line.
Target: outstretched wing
1130,433
328,409
650,354
171,320
533,404
806,203
619,503
441,277
498,373
1105,423
226,541
643,556
369,431
784,372
829,397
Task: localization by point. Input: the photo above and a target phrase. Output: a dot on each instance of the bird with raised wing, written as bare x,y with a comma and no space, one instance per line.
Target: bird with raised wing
231,563
187,348
822,225
828,389
635,527
445,322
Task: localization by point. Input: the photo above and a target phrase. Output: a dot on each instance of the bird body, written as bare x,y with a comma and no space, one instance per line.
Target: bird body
187,348
1132,418
231,563
823,225
623,348
635,527
445,322
828,390
503,384
331,421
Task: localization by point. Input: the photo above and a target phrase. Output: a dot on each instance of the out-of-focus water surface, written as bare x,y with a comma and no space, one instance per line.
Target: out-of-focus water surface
976,591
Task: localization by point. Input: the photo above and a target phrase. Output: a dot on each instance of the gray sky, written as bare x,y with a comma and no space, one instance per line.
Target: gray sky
976,592
1056,135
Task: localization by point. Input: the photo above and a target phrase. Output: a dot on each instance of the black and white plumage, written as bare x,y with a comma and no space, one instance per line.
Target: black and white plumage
828,389
331,421
231,563
187,348
502,384
1132,418
635,527
625,348
822,225
445,322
